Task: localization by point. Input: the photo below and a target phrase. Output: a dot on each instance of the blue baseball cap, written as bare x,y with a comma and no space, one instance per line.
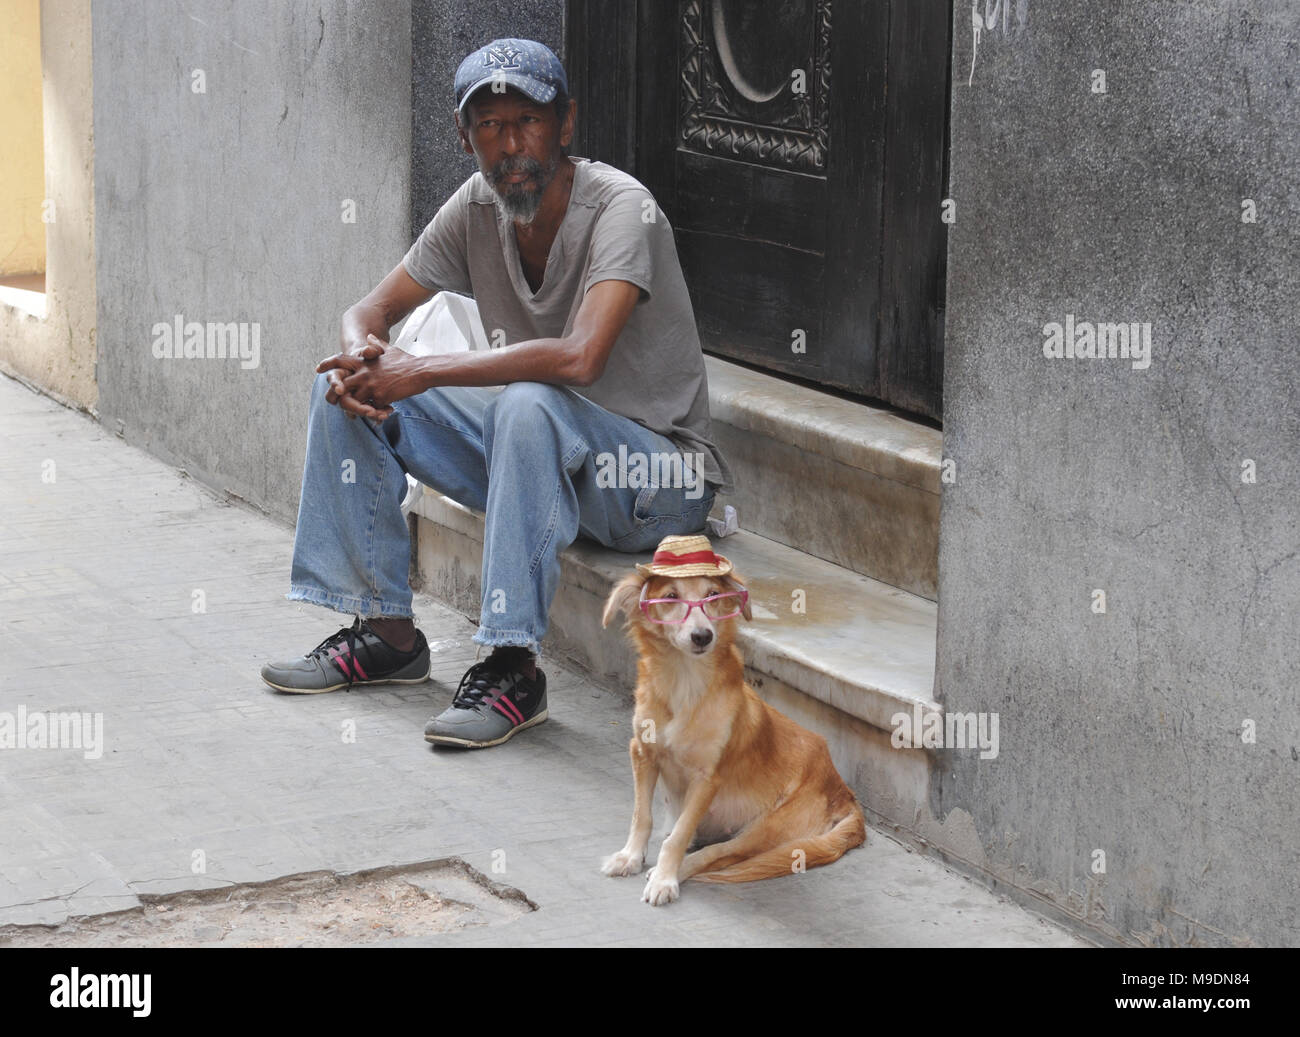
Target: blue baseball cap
526,65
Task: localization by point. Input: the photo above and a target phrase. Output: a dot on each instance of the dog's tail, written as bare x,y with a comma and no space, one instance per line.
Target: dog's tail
795,855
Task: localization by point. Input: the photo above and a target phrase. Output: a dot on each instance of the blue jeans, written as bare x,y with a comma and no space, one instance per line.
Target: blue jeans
525,455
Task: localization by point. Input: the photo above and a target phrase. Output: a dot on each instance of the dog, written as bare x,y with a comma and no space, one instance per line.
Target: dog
752,788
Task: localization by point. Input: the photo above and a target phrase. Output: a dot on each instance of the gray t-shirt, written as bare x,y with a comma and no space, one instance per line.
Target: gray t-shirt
655,373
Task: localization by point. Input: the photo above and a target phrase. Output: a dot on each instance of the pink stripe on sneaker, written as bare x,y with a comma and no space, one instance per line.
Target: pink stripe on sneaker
339,659
513,708
511,714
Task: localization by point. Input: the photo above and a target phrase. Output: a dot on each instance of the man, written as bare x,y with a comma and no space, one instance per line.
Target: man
572,264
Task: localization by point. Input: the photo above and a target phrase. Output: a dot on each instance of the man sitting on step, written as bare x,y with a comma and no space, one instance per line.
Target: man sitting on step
574,267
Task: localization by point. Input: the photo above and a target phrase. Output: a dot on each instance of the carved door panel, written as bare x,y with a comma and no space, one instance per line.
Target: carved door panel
801,170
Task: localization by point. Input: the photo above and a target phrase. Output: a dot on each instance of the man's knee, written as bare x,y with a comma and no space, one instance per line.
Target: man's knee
530,393
526,401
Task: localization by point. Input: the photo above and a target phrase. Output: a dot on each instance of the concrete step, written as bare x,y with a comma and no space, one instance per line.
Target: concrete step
849,483
858,653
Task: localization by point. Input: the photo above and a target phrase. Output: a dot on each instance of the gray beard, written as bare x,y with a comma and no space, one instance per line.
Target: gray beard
520,201
521,208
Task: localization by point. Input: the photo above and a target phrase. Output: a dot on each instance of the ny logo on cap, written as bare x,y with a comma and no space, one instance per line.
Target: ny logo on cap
504,56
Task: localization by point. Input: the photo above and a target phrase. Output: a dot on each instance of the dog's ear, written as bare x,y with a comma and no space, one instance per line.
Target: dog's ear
623,598
734,581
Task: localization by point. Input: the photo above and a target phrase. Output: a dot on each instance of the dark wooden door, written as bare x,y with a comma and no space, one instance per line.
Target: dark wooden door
798,147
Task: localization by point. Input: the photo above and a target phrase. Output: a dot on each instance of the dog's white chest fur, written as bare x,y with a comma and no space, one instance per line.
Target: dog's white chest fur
685,685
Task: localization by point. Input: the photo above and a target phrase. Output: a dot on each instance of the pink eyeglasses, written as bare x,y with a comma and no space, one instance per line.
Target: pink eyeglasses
677,610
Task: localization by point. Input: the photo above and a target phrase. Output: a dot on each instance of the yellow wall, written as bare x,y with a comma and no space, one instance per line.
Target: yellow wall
57,353
22,167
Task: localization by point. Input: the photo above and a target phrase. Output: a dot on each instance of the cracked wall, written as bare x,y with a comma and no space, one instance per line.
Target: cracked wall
252,170
1127,162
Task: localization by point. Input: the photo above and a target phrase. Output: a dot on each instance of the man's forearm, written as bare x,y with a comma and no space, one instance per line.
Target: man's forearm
360,320
555,361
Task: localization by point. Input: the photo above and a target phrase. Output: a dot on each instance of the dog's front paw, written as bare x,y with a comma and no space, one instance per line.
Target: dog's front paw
660,891
625,862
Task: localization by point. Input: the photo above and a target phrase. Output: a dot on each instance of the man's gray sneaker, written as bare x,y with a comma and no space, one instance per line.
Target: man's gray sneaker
496,699
354,657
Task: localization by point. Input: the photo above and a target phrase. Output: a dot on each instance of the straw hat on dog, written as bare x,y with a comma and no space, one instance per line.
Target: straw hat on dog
685,556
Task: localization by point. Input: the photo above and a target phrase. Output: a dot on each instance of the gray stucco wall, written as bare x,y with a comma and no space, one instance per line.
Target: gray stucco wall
227,206
1122,732
443,33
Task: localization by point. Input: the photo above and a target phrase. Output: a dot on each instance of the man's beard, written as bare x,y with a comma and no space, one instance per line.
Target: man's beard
521,200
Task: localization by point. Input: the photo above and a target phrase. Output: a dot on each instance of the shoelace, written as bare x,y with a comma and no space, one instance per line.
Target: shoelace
479,680
348,636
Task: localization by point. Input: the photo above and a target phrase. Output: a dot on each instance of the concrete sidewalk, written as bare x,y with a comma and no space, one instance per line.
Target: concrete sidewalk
107,554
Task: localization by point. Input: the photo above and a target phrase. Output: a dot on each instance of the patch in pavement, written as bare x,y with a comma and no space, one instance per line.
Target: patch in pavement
312,909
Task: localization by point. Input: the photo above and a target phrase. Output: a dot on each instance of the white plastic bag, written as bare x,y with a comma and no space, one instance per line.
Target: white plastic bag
447,323
726,525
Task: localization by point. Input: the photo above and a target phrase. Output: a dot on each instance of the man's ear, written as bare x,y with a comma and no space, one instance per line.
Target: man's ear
567,125
734,581
461,129
623,598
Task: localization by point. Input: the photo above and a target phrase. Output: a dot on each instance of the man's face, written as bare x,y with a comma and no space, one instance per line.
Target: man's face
517,143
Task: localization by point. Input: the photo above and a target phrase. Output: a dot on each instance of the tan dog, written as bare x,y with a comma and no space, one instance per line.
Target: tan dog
738,774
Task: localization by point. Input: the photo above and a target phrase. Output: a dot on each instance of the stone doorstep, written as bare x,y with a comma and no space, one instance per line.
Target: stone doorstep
862,647
855,434
850,483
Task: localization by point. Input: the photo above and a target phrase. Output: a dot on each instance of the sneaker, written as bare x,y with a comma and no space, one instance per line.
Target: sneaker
495,701
355,656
